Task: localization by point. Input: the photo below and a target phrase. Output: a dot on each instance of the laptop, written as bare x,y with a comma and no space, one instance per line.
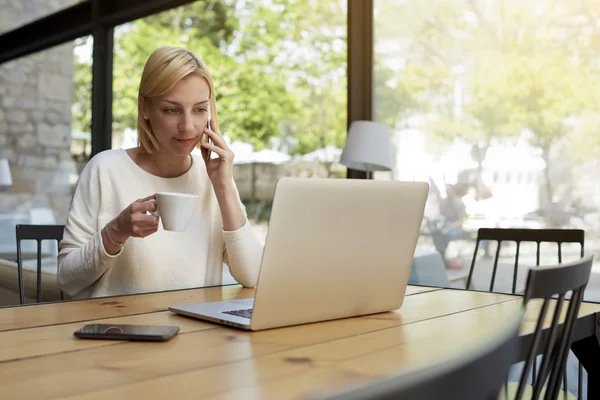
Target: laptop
335,248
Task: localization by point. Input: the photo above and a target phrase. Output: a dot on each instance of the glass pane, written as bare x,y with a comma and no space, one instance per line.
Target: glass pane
14,14
495,103
279,69
44,128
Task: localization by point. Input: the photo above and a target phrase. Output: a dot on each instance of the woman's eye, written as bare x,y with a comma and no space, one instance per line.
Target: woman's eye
201,109
170,110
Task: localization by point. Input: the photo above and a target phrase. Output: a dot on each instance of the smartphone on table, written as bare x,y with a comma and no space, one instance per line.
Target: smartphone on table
155,333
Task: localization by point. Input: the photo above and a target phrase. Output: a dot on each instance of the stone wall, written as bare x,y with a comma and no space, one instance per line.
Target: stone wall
257,181
35,117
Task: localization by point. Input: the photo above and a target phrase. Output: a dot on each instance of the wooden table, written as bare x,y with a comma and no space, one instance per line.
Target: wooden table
40,358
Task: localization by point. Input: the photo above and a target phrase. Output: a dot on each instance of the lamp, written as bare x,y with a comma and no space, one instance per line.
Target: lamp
368,147
5,178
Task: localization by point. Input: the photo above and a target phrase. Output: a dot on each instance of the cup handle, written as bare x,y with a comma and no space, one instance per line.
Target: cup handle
157,212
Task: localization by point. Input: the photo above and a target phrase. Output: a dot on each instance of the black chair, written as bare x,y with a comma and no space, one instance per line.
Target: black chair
38,233
478,374
552,284
519,236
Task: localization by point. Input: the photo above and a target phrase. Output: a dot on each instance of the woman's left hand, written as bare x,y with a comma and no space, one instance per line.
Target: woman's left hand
220,170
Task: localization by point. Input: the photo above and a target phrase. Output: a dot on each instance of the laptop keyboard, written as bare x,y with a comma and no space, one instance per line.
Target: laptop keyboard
240,313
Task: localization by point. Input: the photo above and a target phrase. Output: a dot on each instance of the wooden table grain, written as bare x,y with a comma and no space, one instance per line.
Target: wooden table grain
40,357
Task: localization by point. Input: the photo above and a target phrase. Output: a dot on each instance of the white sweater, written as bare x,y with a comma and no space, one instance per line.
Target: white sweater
162,261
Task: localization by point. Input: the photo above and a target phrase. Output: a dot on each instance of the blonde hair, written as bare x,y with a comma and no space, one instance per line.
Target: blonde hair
164,68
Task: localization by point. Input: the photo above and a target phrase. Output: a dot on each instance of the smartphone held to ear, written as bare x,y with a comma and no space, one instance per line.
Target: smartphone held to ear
155,333
205,139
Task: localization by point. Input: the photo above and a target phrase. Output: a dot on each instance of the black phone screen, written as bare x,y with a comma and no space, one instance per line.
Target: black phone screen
127,332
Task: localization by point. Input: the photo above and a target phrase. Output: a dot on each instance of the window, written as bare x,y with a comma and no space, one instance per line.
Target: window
279,69
44,144
502,88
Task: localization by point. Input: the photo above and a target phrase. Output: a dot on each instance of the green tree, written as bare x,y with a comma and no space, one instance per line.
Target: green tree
250,102
303,44
585,145
267,63
409,91
325,123
546,92
549,73
82,91
81,109
526,67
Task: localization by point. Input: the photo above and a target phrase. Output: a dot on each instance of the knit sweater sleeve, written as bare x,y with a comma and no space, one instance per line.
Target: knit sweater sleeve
82,258
243,252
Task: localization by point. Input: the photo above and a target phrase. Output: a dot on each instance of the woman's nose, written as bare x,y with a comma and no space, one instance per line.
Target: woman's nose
186,123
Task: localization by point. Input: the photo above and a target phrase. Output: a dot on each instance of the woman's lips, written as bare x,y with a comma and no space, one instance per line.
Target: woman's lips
185,141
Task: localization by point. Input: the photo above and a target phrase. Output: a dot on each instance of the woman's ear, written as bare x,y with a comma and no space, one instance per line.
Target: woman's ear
144,107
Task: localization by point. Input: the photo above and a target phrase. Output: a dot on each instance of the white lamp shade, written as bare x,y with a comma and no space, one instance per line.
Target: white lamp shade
5,177
368,147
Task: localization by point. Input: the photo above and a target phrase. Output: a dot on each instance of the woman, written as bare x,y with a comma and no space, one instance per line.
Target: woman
112,243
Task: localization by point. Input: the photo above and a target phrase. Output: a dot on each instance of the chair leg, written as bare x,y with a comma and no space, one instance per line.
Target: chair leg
565,385
21,287
20,273
580,382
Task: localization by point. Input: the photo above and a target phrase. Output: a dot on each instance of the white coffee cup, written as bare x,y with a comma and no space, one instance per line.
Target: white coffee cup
175,210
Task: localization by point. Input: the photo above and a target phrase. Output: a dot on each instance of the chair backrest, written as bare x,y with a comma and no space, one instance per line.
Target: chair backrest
551,284
477,374
519,236
38,233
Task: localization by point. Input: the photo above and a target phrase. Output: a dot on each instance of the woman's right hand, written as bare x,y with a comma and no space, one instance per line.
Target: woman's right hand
132,222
